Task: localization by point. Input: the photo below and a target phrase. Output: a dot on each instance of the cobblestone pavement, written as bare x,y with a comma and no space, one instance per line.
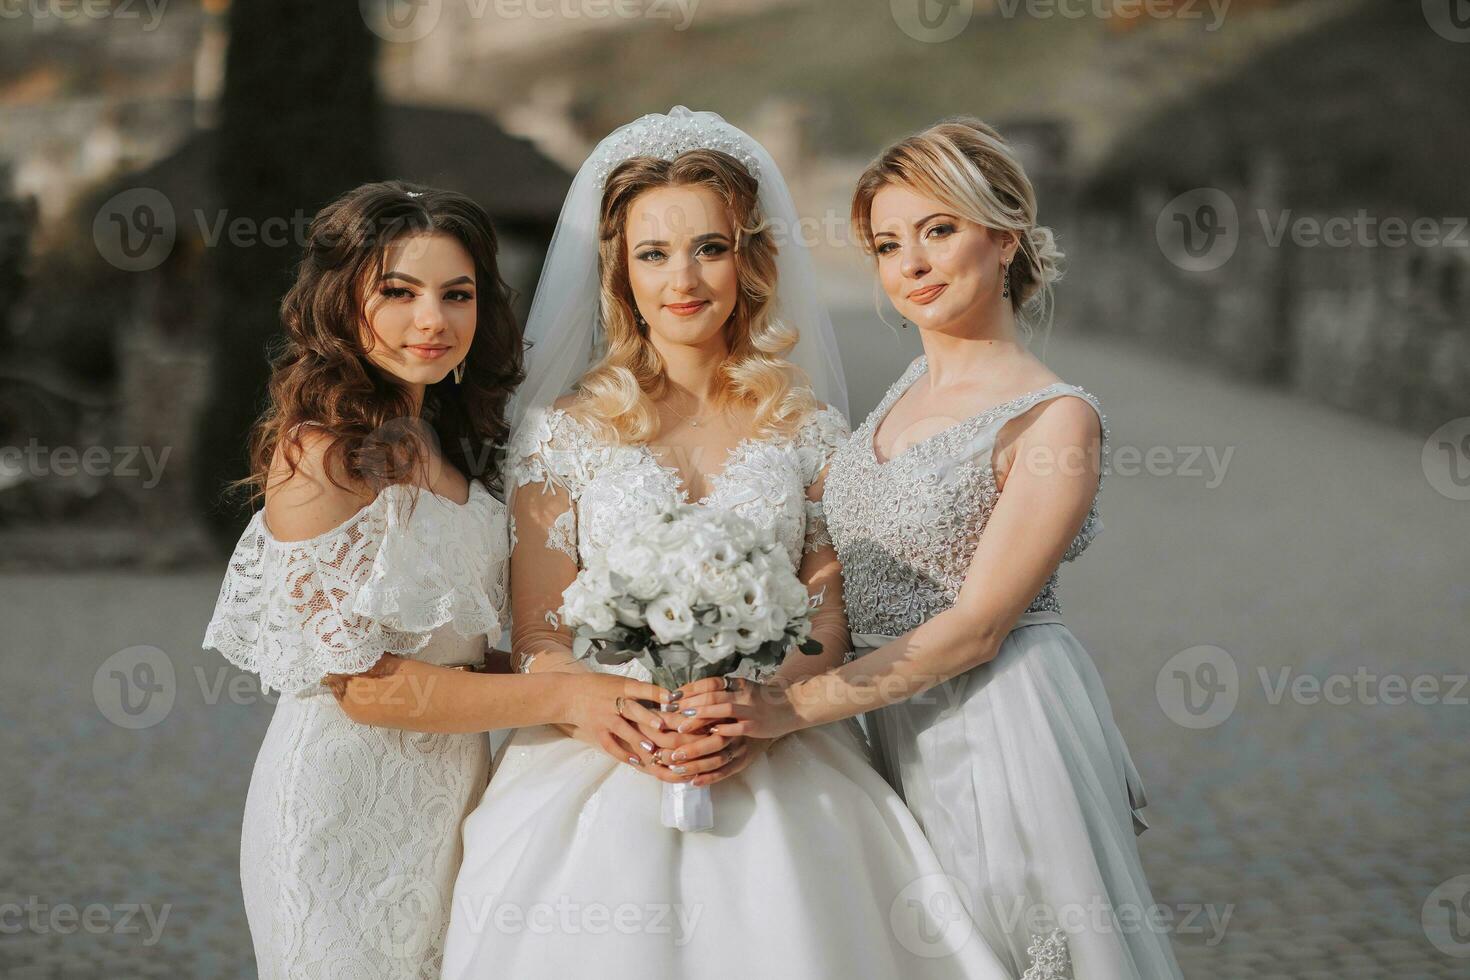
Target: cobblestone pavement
1319,823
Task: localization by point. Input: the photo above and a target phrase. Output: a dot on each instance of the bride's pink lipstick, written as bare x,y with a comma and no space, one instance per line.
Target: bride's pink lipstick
686,309
429,352
927,294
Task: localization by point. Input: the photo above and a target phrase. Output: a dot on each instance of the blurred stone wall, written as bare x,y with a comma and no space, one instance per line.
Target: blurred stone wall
1364,322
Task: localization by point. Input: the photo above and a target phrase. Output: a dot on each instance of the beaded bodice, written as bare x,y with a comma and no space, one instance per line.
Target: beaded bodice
906,529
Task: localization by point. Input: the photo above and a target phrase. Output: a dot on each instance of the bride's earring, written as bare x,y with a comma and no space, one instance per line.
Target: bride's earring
903,323
459,373
642,323
1005,286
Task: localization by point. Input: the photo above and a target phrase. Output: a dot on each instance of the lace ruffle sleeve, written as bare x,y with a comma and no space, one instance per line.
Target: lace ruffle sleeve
295,611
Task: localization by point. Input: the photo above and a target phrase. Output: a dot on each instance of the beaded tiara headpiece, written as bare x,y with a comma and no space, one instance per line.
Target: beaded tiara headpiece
665,136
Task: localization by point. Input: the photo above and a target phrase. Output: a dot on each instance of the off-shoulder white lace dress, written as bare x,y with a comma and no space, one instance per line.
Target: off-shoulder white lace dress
350,839
814,869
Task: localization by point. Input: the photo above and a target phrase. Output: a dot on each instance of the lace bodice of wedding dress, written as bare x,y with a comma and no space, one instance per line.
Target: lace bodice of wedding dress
763,480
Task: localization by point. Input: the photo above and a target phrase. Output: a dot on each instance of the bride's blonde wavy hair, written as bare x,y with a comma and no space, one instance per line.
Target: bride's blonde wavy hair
969,167
617,393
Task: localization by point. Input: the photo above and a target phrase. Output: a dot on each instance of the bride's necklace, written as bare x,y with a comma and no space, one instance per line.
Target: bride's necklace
693,422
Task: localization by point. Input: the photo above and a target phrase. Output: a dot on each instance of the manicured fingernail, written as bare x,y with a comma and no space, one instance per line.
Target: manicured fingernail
676,695
647,745
668,707
679,756
689,712
681,770
658,723
633,761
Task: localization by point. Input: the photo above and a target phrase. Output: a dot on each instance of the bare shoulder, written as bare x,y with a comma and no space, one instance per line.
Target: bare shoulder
307,502
1067,420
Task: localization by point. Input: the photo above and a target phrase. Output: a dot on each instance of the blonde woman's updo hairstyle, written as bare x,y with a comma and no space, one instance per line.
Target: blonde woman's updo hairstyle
617,394
969,168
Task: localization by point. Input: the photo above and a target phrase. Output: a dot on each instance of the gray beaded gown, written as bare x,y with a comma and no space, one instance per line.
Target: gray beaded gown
1015,769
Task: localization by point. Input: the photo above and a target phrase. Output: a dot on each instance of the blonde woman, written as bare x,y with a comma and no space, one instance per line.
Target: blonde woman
951,508
814,868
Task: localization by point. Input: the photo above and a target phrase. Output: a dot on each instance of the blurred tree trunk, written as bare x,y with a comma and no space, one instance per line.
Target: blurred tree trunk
17,218
298,126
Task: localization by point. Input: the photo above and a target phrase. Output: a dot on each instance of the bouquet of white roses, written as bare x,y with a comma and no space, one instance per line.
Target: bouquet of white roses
690,593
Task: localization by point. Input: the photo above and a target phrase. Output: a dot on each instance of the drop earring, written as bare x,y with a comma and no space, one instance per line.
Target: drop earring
1005,286
459,373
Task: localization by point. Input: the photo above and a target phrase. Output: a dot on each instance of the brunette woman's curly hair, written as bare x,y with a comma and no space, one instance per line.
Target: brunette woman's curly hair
322,374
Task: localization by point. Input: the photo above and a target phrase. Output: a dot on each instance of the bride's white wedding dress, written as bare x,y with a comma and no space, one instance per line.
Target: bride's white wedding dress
815,868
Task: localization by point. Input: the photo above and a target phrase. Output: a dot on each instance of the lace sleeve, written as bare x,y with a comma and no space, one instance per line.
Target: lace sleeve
548,449
295,611
821,436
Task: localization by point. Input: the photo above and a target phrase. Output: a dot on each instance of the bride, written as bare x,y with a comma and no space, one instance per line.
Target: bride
814,868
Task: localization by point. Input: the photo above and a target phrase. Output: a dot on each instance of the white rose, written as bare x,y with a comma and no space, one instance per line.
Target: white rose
670,618
646,587
747,639
718,585
716,646
583,608
724,554
635,560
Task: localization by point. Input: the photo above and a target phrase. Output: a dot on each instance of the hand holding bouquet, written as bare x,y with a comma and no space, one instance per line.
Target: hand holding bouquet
690,593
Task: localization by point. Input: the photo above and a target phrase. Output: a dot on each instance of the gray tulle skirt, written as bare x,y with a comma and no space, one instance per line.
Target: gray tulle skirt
1024,786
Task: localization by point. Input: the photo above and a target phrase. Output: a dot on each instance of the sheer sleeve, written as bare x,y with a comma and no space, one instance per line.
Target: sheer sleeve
817,440
295,611
548,452
548,468
819,437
